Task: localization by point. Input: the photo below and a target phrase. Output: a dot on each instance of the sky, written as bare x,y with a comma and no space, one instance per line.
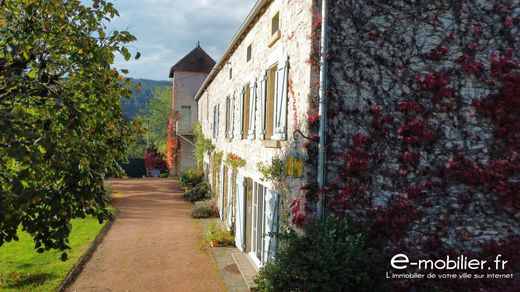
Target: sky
167,30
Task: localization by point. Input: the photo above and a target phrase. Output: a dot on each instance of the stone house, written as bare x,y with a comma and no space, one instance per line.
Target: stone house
187,75
396,112
250,105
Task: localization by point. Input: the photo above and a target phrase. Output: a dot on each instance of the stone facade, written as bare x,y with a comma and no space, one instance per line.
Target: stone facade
408,145
293,47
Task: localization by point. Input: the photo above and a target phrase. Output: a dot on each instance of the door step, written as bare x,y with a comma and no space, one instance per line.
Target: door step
246,268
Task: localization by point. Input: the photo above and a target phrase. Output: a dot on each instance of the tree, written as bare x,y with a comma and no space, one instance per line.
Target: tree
60,116
156,118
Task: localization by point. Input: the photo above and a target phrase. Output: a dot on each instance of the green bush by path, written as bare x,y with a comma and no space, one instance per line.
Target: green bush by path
204,209
22,269
199,193
327,256
190,178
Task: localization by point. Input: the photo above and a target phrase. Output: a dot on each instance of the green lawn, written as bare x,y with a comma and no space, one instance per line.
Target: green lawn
23,269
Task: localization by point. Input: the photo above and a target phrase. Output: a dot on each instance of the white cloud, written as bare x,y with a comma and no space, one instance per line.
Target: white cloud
166,30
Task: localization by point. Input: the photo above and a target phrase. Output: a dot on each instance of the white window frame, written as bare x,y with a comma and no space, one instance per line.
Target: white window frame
281,102
252,110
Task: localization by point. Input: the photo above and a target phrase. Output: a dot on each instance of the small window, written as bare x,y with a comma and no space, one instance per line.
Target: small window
249,52
186,114
230,73
275,23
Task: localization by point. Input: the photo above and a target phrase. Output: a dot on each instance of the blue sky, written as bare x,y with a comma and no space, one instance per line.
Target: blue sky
166,30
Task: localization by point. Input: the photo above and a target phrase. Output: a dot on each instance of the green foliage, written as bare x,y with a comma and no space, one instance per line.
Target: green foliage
204,209
60,116
327,256
217,160
138,103
191,178
234,161
275,172
202,212
202,145
156,119
219,235
200,192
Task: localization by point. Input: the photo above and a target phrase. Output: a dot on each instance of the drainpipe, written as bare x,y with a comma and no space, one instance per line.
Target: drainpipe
323,104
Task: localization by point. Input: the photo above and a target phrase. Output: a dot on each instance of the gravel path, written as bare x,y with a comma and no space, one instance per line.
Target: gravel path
153,245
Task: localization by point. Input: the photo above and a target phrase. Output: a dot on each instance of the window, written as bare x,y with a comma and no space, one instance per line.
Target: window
228,117
252,110
245,111
249,52
275,23
274,102
215,120
269,102
230,73
275,30
258,228
186,114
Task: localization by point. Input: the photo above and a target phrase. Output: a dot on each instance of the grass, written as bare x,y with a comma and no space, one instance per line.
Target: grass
23,269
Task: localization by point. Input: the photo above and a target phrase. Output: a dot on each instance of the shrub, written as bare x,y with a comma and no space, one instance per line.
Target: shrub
219,235
190,178
326,256
203,209
202,212
200,192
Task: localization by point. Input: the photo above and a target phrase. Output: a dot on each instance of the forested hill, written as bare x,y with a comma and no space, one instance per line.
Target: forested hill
137,104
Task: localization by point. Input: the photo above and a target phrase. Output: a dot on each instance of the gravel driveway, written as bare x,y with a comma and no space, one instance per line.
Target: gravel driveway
153,245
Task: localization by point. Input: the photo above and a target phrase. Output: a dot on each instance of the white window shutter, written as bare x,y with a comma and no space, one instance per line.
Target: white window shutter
231,116
280,127
271,224
252,108
221,192
218,118
229,207
240,214
241,120
263,92
226,106
214,124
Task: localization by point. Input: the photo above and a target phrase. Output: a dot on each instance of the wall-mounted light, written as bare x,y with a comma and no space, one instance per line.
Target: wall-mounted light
295,160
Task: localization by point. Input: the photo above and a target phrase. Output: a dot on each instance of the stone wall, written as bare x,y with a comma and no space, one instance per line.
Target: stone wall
295,44
413,148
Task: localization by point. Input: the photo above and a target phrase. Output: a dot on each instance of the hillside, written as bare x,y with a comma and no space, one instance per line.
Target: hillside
137,104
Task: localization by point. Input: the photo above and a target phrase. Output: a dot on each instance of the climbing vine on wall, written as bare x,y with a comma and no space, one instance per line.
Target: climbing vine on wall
424,128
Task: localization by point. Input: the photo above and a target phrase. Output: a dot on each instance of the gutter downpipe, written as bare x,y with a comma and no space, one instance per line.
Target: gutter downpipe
323,105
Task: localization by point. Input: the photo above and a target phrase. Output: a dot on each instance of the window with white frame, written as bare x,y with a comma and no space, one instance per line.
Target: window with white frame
229,117
252,110
245,103
215,120
273,98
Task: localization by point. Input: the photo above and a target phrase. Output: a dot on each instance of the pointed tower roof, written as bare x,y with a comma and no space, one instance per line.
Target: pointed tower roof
195,61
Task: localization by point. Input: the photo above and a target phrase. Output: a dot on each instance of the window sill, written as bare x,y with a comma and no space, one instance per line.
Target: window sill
271,144
274,38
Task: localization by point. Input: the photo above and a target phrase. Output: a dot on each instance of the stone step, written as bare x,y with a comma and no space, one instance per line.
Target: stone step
246,268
